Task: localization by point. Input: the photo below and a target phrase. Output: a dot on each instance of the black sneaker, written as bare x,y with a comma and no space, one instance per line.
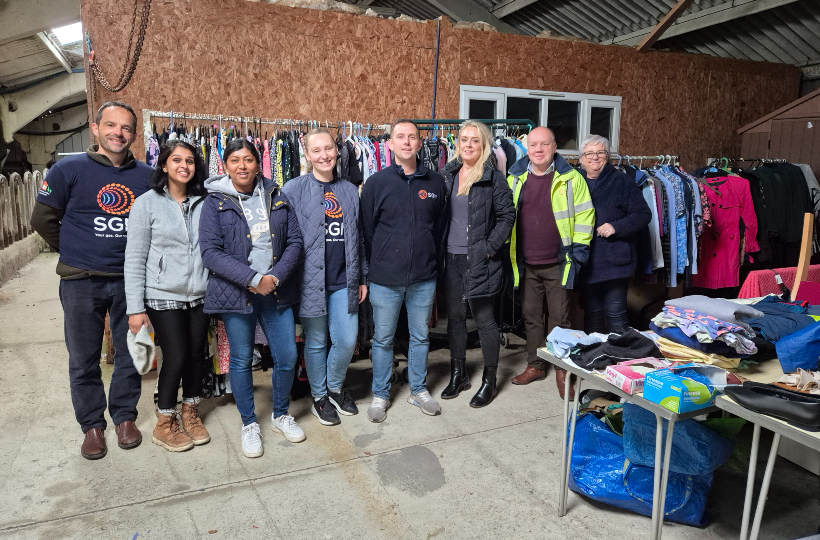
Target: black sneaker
325,412
343,402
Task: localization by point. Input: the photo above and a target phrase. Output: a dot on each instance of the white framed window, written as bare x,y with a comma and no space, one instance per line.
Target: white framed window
572,117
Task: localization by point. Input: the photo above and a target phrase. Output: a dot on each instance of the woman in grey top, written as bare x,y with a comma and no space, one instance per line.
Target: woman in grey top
165,281
481,219
333,276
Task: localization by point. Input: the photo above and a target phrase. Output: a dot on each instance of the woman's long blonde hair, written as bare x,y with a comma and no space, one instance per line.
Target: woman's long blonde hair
484,137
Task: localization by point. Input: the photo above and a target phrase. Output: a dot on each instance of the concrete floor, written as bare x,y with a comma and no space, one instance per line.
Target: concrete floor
488,473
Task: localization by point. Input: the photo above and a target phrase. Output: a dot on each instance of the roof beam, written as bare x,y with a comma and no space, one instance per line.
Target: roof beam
510,6
667,21
364,3
58,54
467,10
703,19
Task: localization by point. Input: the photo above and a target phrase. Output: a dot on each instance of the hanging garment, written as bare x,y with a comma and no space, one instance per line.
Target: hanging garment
152,151
266,171
720,254
277,164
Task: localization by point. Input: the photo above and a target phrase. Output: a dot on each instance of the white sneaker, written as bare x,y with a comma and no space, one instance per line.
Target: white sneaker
288,427
424,401
377,411
252,441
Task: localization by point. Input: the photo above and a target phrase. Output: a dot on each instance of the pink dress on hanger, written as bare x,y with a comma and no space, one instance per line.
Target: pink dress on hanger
266,160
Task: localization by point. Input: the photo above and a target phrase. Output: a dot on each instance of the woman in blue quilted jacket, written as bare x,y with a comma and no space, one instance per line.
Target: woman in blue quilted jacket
250,241
333,277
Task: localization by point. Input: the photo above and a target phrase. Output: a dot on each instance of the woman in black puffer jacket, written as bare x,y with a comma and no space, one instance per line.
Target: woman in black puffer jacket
620,213
481,219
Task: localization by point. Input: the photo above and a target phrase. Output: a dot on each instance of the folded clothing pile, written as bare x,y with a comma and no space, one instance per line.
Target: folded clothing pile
561,341
629,345
707,328
675,351
780,318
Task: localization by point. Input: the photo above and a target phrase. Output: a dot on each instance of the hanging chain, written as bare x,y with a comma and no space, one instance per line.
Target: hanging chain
130,64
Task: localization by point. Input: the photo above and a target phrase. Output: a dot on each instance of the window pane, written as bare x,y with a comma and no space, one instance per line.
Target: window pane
524,109
562,119
482,109
601,122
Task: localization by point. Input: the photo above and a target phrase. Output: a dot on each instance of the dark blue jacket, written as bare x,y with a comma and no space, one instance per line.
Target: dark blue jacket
619,202
403,222
225,242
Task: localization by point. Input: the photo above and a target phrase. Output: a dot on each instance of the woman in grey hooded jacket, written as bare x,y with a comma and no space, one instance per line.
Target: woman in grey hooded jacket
334,274
165,281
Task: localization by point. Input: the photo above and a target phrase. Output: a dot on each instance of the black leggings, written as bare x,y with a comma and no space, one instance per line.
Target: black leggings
483,310
182,334
606,300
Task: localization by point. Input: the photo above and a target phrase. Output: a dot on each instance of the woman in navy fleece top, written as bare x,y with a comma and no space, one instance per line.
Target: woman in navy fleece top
620,212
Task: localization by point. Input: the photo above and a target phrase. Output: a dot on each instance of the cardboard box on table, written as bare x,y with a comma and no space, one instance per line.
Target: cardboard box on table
681,394
624,376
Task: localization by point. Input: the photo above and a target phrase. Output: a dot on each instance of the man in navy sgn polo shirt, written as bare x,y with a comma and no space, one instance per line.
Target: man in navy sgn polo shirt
82,213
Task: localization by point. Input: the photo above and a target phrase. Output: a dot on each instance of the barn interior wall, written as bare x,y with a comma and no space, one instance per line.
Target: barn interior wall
235,57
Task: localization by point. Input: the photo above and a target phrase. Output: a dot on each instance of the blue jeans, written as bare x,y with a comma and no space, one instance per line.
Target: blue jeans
85,303
386,303
279,330
327,370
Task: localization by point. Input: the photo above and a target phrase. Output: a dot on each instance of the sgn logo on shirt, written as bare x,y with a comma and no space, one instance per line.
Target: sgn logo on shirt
427,195
114,199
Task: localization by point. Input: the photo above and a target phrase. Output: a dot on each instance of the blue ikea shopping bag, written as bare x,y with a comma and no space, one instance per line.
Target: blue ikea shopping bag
800,350
599,470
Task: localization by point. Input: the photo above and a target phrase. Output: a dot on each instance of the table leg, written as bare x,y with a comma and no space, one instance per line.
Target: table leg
667,455
562,510
564,458
764,489
750,484
657,483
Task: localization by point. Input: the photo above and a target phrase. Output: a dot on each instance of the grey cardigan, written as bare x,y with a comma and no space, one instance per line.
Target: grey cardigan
162,256
307,195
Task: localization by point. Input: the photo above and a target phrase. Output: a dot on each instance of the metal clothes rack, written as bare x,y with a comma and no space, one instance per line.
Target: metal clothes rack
726,160
662,159
246,121
431,124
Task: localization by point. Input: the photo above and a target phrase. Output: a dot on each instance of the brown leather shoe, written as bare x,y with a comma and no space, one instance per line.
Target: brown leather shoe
169,435
94,446
192,424
560,380
529,375
128,436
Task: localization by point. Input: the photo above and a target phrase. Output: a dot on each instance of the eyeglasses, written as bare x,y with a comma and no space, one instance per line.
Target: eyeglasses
590,155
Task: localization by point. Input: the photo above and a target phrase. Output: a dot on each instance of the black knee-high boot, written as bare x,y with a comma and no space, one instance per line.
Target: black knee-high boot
488,389
458,378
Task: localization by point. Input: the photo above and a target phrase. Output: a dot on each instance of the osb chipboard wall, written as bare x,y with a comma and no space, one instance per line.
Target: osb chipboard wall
236,57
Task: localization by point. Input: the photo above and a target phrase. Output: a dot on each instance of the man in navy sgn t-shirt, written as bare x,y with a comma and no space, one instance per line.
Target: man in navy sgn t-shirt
82,213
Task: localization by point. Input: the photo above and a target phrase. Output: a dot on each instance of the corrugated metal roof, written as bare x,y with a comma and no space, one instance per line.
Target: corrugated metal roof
787,34
26,60
595,21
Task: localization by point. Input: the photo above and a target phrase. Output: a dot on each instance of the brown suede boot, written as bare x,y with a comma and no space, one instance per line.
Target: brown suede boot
192,424
169,435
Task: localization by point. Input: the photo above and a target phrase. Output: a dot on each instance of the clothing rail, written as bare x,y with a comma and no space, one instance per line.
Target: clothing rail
762,160
666,159
148,115
491,122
